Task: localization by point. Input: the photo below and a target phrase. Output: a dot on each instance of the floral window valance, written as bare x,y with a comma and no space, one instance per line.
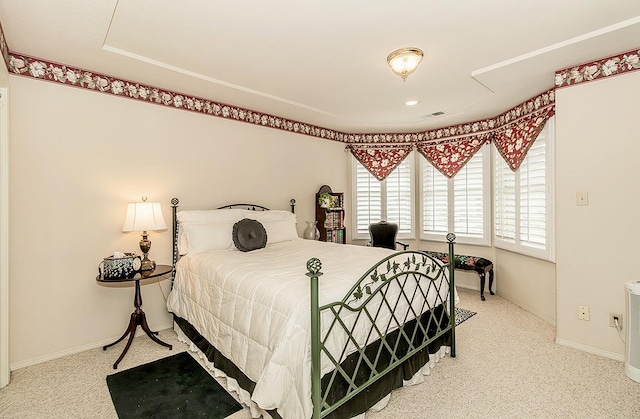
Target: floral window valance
514,140
380,159
449,149
451,156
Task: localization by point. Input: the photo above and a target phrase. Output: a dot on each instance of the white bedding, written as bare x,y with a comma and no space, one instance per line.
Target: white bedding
254,308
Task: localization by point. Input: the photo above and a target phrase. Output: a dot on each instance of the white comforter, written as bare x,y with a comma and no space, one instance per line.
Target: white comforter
254,308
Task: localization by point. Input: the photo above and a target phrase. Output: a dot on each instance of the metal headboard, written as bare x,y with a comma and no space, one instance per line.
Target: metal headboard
174,218
250,207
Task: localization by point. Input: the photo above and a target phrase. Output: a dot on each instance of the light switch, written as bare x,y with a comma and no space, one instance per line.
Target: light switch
582,198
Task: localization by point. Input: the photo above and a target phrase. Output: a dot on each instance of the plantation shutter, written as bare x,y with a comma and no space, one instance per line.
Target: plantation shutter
368,199
504,217
468,198
522,203
398,197
455,205
533,193
435,200
390,199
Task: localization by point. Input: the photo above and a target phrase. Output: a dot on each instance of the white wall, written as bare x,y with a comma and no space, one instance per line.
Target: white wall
78,157
528,282
597,150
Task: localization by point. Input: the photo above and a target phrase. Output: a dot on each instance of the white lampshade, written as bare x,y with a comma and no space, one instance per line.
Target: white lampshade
404,61
144,216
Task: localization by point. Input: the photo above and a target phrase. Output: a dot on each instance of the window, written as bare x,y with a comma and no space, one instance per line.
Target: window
459,205
390,200
523,201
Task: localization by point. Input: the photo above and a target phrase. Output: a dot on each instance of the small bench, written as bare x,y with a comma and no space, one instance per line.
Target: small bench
470,263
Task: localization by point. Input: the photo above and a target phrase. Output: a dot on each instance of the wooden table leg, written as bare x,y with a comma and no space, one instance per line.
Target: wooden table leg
138,318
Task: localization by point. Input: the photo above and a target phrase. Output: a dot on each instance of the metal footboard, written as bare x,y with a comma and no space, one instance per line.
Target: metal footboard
393,313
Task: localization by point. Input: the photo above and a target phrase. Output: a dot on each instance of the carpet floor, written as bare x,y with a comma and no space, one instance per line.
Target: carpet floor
507,366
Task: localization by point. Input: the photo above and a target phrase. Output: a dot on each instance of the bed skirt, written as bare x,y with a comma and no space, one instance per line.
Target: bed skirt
376,397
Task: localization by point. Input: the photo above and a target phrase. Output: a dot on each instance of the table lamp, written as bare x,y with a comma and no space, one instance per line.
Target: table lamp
144,216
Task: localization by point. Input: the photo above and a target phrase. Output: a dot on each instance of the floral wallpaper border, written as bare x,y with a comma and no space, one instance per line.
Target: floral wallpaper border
25,65
382,152
380,162
469,129
606,67
72,76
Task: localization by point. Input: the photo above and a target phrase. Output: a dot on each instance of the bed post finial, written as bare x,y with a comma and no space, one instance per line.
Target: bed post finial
314,266
293,205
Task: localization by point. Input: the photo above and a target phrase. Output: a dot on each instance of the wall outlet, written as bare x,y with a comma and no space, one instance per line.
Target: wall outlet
583,313
612,319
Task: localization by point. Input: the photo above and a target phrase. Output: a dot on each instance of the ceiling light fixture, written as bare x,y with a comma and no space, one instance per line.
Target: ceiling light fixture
404,61
411,102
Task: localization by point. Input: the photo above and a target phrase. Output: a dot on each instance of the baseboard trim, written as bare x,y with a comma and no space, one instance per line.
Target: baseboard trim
525,307
585,348
469,286
81,348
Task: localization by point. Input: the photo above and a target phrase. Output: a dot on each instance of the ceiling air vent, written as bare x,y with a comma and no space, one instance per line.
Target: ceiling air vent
433,115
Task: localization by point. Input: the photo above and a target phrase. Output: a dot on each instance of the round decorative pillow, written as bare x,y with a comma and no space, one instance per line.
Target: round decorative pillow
249,235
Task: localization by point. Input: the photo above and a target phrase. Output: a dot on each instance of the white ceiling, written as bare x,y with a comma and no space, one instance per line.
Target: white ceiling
323,62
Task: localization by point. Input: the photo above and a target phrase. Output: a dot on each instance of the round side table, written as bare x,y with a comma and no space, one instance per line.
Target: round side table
138,318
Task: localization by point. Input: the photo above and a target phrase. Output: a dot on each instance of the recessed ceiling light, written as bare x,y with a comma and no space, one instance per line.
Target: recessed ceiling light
411,102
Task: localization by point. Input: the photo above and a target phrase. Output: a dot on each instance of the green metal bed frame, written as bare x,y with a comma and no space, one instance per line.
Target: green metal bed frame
415,274
411,325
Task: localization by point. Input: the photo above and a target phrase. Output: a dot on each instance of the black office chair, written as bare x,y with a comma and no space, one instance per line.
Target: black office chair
383,234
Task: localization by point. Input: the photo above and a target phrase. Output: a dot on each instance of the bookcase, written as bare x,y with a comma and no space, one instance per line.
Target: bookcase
330,218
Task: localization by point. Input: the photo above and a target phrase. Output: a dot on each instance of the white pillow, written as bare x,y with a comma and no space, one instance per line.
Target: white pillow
280,224
210,216
202,217
198,238
280,230
194,236
270,215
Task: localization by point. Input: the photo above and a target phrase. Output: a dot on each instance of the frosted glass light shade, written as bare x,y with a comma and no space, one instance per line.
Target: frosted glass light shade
144,216
404,61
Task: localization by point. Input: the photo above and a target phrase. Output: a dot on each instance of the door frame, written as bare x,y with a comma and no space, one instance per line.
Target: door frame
5,369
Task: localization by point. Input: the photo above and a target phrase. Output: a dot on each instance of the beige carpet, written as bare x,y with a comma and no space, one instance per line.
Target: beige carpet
507,366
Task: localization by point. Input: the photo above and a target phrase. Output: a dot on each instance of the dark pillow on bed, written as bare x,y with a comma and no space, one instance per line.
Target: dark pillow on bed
249,235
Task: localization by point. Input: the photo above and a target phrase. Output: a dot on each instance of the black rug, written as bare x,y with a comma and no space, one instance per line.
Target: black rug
173,387
462,315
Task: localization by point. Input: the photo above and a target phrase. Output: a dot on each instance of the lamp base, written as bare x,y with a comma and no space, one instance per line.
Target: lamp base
145,246
147,265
